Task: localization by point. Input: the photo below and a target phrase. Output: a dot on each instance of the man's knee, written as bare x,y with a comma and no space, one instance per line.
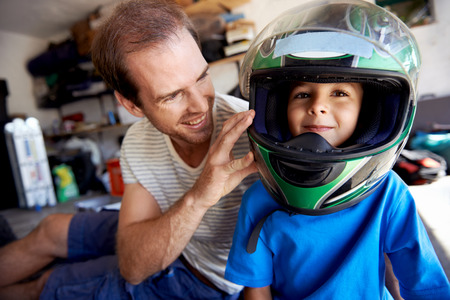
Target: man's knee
52,233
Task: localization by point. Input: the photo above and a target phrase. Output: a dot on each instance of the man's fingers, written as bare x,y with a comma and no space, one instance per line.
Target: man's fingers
237,118
222,173
239,169
241,163
230,133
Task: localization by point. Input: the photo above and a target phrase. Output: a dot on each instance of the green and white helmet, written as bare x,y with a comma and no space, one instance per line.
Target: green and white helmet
330,41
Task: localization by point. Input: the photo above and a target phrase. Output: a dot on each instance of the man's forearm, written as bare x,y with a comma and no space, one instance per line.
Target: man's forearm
147,247
257,293
148,241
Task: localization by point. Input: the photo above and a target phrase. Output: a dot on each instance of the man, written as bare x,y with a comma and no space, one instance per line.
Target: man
180,203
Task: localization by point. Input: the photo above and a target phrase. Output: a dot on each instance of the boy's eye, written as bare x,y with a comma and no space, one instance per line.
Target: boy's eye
302,95
340,94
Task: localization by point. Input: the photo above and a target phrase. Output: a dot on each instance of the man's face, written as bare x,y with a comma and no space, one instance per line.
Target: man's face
328,109
175,89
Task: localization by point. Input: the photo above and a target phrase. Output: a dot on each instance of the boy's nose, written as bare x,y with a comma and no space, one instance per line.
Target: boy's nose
318,106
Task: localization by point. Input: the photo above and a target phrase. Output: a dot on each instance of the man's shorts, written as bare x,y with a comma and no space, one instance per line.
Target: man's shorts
95,273
92,234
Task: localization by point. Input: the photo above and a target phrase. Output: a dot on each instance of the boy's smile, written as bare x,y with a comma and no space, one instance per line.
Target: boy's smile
317,128
328,109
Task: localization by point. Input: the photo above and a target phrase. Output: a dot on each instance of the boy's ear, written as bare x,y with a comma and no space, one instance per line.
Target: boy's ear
129,106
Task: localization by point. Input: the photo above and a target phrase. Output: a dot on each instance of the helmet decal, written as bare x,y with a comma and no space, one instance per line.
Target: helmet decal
322,44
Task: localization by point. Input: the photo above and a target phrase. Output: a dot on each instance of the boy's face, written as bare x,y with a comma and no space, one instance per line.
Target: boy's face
328,109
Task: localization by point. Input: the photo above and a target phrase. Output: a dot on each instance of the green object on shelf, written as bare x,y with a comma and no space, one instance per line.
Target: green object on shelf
66,185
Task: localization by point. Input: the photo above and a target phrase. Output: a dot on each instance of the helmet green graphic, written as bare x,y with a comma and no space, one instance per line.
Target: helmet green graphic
323,42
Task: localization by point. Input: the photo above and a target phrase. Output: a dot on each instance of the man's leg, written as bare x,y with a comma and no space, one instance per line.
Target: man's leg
97,278
78,237
175,282
23,258
25,291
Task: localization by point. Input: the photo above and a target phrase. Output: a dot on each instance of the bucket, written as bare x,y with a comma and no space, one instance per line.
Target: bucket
115,176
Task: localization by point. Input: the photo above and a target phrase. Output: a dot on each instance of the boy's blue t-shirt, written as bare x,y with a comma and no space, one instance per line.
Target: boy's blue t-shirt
340,255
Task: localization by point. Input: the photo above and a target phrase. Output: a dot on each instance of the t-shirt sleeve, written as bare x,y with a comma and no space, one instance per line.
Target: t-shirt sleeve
129,141
412,255
243,268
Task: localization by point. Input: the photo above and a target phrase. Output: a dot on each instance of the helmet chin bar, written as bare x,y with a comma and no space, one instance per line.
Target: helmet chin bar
296,182
305,173
310,141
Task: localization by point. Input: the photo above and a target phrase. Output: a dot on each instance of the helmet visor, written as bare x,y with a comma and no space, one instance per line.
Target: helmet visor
385,110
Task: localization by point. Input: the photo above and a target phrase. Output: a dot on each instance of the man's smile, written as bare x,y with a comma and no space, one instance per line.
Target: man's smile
196,121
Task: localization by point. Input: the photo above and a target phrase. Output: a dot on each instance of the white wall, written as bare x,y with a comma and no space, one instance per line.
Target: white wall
15,51
434,44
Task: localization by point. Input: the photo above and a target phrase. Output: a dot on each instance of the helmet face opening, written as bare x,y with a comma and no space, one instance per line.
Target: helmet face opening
330,42
382,119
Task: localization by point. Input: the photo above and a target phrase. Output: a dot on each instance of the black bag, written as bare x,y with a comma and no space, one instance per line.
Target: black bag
417,167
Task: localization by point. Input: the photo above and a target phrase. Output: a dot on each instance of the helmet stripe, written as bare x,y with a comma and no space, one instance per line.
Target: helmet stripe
335,43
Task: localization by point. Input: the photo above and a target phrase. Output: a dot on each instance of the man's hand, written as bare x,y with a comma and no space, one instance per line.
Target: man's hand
222,173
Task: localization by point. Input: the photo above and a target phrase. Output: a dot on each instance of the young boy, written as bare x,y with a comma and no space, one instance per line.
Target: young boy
328,207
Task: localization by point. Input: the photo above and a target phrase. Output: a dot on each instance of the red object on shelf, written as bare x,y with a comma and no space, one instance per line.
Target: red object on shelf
77,117
115,176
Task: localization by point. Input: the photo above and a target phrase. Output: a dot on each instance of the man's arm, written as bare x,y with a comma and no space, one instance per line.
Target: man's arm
147,240
257,293
391,283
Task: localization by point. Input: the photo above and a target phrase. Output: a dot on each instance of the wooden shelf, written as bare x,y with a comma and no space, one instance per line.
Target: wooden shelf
99,128
234,58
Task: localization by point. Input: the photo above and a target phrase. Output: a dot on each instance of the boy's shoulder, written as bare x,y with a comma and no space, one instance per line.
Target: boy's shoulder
392,196
257,202
393,183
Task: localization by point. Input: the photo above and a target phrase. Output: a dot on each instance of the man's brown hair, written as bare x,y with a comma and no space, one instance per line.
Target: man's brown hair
134,25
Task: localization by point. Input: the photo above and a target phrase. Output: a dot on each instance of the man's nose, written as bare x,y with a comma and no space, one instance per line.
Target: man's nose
197,101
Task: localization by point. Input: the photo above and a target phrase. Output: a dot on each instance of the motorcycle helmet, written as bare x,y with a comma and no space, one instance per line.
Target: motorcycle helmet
323,42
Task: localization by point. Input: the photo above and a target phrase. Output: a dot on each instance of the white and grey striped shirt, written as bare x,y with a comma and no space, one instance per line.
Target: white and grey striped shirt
148,157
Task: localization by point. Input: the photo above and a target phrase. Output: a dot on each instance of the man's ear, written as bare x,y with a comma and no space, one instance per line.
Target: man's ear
129,105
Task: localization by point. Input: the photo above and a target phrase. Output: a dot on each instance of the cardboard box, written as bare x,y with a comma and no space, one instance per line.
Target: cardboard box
83,34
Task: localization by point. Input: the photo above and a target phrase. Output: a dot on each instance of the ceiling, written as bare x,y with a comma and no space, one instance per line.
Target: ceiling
45,18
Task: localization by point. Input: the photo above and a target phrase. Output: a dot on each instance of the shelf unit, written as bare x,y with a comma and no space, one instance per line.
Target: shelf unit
98,129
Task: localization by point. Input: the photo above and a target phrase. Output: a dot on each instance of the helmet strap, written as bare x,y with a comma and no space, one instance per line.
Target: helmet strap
253,240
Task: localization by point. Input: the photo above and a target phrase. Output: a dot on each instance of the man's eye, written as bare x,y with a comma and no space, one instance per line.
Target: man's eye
171,97
204,75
